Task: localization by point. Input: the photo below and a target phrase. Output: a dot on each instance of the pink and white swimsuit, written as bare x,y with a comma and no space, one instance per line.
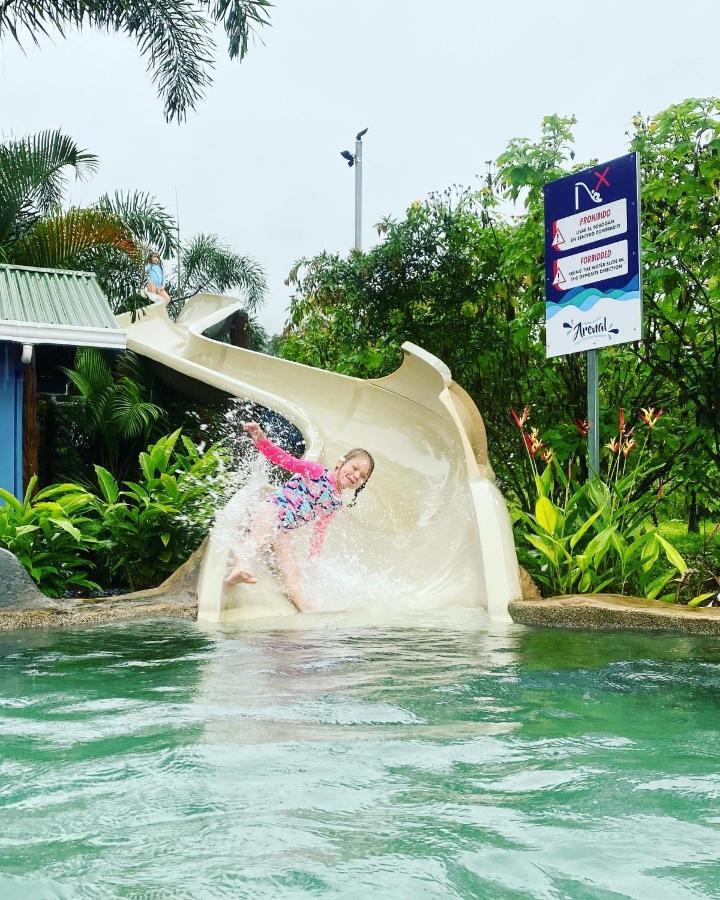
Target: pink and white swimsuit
310,496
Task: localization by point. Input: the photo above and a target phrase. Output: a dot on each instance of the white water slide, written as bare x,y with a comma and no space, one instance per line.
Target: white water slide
430,531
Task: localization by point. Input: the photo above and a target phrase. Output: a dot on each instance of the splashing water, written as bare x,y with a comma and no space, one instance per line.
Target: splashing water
345,574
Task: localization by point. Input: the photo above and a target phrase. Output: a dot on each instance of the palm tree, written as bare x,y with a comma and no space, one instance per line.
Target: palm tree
174,35
112,237
208,266
34,230
121,276
112,413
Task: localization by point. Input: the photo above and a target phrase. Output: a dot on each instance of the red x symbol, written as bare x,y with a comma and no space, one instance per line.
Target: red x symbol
601,178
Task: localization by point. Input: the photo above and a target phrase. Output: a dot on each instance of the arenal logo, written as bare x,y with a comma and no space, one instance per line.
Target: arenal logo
580,331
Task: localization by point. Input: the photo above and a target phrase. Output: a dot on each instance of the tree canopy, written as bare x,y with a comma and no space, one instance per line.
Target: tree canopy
463,276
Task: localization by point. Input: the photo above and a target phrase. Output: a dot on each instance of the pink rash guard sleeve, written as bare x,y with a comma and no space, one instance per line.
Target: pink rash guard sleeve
287,461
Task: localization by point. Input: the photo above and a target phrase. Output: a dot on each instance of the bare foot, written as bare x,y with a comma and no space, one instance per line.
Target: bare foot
237,574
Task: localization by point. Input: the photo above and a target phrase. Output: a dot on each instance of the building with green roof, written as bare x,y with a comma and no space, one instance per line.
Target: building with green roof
40,307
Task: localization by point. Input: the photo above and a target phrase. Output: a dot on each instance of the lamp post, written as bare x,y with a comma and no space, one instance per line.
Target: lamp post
356,160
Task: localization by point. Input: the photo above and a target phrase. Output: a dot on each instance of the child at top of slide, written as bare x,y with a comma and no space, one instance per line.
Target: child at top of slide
156,278
312,495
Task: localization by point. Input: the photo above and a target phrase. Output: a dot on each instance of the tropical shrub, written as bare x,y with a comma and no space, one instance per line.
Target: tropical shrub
596,534
113,413
153,524
700,585
55,534
131,536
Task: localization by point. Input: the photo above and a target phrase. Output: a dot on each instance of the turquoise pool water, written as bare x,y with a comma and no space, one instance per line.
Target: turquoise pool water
158,761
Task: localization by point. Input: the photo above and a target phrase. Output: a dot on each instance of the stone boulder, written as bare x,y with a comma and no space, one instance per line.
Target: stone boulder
17,589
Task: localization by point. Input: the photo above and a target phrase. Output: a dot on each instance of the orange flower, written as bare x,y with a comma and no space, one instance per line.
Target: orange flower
533,442
621,420
628,447
650,416
548,455
613,445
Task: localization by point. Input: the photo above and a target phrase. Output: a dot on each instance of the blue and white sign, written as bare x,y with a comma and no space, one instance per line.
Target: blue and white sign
592,258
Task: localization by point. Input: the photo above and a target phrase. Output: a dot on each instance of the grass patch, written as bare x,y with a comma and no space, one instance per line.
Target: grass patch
689,544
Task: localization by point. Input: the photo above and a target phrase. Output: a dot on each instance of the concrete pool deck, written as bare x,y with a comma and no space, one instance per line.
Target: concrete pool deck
613,611
23,606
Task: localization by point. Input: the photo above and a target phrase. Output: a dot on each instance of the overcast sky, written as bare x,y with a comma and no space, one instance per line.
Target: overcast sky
441,86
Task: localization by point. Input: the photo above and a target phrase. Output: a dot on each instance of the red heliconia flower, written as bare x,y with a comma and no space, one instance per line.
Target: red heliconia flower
533,442
613,446
650,416
548,455
520,420
621,420
583,427
628,447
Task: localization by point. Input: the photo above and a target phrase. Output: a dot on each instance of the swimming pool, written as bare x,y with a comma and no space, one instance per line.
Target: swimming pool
157,760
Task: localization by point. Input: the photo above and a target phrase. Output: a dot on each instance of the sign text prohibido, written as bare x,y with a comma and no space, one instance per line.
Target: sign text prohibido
592,258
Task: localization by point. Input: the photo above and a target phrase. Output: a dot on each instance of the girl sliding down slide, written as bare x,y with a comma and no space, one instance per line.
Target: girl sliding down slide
313,494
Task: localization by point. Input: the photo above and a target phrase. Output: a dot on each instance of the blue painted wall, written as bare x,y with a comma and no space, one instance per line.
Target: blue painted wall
11,393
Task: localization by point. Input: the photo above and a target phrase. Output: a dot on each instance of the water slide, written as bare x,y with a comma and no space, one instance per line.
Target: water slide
431,531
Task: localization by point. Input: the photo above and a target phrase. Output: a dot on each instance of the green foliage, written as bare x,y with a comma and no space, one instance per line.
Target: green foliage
176,36
700,585
54,533
111,411
598,534
153,524
34,231
133,534
208,266
122,276
112,237
466,282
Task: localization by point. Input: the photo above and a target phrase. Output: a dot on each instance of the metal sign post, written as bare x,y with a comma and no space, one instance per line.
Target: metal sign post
593,411
593,288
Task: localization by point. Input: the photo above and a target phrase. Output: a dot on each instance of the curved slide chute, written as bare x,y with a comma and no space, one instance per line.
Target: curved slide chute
432,530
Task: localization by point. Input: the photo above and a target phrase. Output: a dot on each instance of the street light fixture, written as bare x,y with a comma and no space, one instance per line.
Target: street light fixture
355,159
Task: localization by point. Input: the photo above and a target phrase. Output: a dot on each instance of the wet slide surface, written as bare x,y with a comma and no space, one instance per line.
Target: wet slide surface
430,531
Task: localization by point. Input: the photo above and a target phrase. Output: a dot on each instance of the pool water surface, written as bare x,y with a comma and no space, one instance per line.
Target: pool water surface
158,760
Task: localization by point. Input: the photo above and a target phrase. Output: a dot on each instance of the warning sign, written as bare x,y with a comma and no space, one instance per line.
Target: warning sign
590,226
591,266
593,271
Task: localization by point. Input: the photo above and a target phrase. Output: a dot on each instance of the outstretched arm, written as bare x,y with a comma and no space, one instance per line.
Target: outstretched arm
281,457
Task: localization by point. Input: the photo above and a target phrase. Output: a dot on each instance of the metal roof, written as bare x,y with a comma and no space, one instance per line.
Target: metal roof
55,306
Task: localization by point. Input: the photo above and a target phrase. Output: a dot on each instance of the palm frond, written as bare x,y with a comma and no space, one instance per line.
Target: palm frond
60,241
151,224
93,368
241,20
94,381
207,265
129,413
33,177
35,17
174,35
